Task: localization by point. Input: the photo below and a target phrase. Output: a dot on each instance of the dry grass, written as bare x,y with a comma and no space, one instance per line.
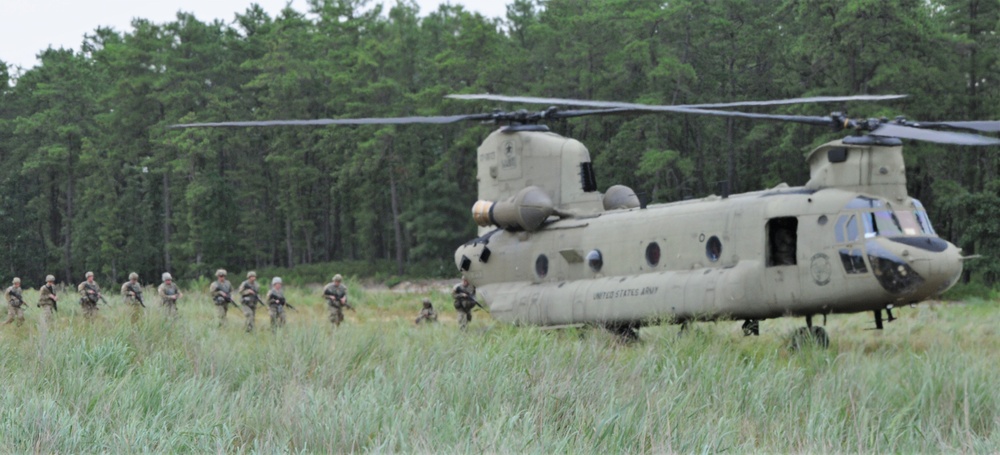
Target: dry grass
928,383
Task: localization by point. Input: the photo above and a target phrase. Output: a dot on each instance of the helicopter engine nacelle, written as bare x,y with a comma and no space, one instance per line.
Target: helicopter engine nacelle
620,197
527,210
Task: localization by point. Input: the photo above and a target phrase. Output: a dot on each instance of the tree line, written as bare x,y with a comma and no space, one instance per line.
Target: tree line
91,178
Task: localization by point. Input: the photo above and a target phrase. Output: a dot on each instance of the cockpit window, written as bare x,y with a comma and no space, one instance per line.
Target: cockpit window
881,220
886,223
852,229
908,222
925,222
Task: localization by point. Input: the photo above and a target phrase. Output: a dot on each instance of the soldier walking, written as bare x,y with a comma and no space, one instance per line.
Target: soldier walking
249,297
276,304
427,314
465,300
335,294
90,292
15,303
169,293
221,291
132,293
47,298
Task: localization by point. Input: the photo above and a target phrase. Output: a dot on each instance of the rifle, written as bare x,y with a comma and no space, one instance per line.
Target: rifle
20,299
280,301
343,302
98,294
138,295
466,296
52,292
478,304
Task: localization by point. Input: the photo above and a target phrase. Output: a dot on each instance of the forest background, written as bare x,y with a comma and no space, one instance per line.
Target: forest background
91,178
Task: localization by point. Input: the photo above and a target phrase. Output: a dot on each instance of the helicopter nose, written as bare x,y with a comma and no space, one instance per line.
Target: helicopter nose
940,269
915,268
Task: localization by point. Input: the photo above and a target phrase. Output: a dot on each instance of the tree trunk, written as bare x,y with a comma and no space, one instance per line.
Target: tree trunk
166,222
288,243
396,225
68,234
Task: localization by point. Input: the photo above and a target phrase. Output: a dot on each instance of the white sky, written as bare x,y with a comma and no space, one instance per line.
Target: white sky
28,27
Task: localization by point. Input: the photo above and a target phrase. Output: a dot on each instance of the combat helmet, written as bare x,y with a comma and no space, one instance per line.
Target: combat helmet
166,276
220,272
89,275
17,280
251,274
427,303
275,280
50,278
337,277
133,276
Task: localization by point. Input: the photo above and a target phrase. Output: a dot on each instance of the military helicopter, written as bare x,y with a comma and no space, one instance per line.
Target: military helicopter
553,251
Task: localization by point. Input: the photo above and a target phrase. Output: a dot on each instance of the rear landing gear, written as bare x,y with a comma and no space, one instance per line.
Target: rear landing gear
626,333
751,327
810,335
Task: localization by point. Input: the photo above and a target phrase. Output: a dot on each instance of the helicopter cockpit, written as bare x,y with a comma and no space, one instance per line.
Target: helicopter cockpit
877,237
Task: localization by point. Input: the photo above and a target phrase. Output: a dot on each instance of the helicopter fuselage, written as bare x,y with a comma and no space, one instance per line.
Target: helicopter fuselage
781,252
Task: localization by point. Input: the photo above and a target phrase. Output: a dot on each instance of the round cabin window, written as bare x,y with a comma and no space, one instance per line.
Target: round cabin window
653,254
542,266
713,249
595,260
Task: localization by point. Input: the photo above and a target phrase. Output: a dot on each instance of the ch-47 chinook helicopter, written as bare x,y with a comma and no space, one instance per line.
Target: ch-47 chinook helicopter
553,251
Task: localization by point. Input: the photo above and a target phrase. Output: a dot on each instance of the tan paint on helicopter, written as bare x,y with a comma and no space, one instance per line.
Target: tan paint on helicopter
553,165
686,284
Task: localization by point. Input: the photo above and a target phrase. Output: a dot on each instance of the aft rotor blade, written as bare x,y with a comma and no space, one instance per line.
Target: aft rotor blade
346,121
983,126
615,104
940,137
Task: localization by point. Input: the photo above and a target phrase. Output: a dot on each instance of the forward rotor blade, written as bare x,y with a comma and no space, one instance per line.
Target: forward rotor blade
346,121
984,126
614,104
940,137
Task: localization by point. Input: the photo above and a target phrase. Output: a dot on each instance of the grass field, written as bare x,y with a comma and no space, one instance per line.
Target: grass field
930,382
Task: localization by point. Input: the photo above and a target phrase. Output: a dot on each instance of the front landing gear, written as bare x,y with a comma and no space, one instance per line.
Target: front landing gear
751,327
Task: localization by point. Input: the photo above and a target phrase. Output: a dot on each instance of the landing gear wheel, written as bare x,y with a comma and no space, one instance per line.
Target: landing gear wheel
806,336
626,333
751,327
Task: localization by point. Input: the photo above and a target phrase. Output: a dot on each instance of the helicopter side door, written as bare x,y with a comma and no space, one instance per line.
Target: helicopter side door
781,273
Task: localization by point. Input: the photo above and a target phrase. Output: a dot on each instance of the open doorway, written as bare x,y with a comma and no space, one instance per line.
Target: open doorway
782,241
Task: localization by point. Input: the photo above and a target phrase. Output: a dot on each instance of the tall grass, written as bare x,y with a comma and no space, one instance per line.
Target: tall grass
928,383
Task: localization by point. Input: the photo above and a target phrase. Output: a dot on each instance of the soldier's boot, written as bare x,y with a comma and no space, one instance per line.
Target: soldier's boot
463,319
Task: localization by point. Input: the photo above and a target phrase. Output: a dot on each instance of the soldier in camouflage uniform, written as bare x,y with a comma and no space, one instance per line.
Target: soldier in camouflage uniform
465,300
47,298
336,299
15,303
90,293
132,293
276,304
249,296
221,291
427,314
169,293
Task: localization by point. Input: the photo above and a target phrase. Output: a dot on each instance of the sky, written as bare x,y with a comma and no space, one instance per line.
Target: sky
28,27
